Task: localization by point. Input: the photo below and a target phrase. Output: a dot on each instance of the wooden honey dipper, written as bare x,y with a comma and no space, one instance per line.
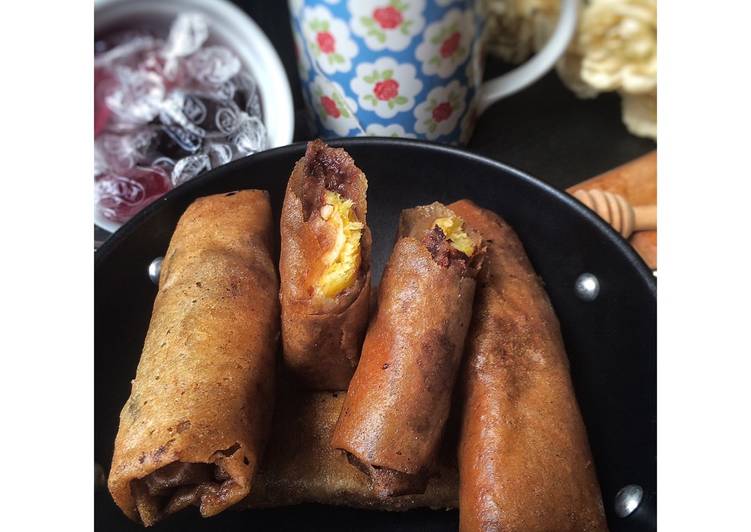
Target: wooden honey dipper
619,213
636,182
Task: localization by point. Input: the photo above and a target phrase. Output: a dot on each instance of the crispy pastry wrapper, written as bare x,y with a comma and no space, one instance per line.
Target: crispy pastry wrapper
524,459
321,336
300,466
199,412
399,398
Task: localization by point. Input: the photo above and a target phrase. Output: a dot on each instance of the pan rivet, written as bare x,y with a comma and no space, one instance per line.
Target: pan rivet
587,287
155,269
628,499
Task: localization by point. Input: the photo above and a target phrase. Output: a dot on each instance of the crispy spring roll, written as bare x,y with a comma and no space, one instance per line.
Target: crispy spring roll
301,467
199,411
524,459
324,268
399,398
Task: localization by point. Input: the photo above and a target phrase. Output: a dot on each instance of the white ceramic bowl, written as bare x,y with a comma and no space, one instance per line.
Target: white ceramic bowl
229,26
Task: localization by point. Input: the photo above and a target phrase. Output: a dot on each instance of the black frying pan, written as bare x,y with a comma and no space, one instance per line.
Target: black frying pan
611,341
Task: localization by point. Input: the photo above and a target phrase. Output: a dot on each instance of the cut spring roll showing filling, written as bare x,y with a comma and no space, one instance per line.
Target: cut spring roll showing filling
399,399
199,411
524,459
342,261
324,267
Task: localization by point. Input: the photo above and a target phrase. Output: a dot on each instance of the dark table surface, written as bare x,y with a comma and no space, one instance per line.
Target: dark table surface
544,130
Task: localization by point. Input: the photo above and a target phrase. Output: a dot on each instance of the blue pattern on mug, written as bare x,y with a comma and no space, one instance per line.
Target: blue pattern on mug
406,68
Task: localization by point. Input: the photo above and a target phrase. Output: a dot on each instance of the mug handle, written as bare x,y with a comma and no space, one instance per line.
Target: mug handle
493,90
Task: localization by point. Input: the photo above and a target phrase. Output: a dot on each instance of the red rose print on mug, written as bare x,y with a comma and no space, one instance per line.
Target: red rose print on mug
387,24
447,43
388,17
440,112
386,87
328,40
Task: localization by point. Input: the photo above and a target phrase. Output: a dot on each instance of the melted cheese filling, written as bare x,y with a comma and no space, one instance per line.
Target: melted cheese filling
453,228
343,259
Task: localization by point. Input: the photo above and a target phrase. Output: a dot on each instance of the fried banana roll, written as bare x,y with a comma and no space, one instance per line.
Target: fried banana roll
396,408
524,459
199,411
324,268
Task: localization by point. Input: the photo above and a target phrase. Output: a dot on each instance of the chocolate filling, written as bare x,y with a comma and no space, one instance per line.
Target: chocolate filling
178,485
325,169
442,251
388,482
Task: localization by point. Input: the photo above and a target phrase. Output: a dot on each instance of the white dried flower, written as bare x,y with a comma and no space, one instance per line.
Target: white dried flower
618,39
639,112
569,68
518,28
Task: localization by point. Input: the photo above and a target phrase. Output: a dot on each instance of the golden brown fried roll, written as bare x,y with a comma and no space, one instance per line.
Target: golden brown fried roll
399,398
300,466
198,416
324,268
524,459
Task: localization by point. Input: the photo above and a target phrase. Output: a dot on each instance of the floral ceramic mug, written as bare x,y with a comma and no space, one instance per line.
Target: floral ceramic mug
405,68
